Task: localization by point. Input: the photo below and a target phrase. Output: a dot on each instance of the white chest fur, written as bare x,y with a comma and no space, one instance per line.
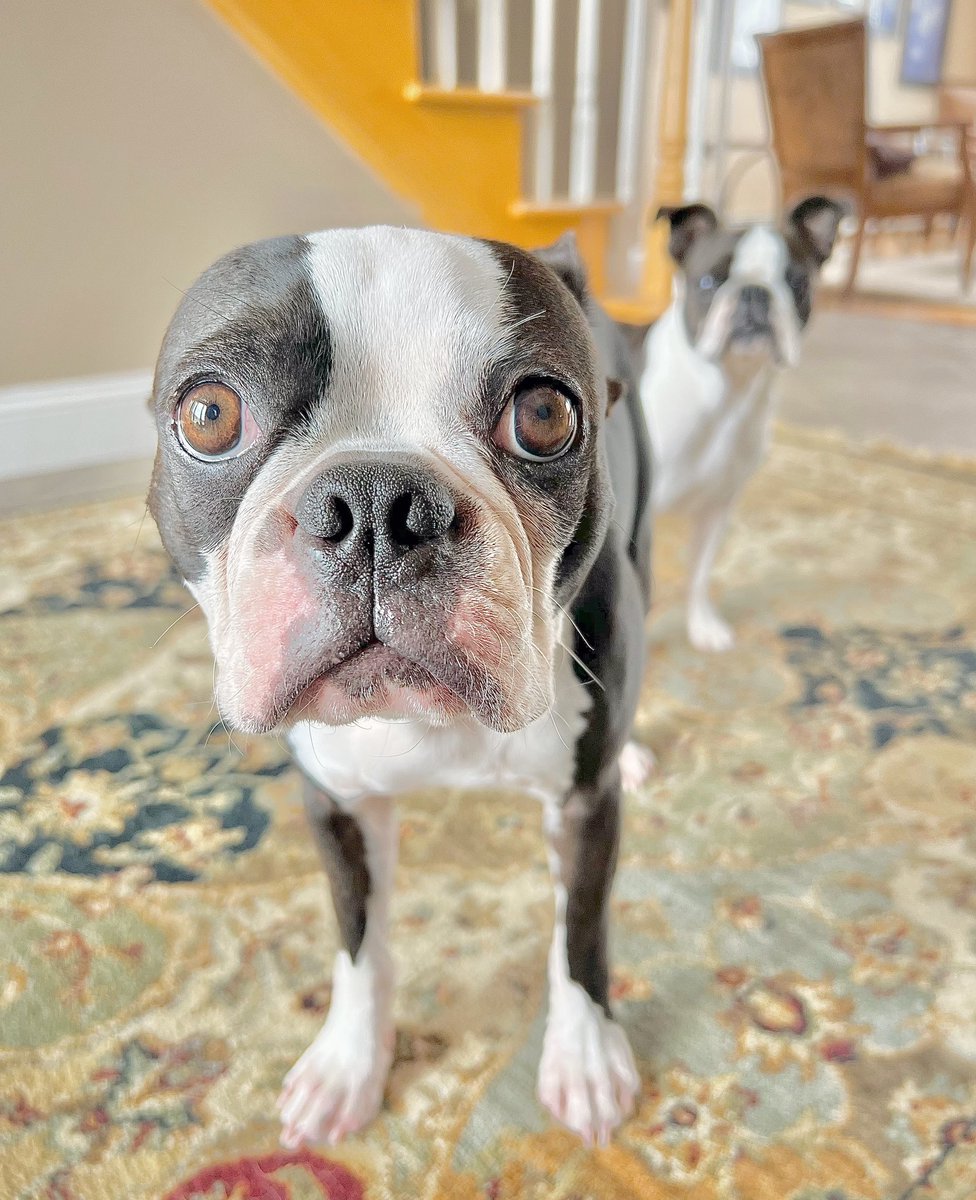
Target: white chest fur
392,757
708,422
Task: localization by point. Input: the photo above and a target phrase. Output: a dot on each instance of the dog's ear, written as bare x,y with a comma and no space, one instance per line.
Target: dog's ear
689,222
615,389
816,220
563,257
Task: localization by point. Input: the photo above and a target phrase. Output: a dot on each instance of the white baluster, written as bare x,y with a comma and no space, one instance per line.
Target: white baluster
492,45
445,44
630,123
543,67
582,154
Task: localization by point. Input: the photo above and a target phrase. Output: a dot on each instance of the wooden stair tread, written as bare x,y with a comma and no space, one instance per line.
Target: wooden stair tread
419,93
568,209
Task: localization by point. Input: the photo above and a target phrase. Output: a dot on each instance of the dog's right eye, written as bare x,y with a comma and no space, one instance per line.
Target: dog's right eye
213,422
706,283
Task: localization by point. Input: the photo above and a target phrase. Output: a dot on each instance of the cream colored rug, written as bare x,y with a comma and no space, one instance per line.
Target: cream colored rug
794,917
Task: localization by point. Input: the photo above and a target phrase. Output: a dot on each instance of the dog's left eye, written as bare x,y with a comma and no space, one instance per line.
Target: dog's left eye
706,283
539,423
213,422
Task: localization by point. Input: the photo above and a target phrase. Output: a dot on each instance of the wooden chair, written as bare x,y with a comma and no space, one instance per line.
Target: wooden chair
958,103
814,81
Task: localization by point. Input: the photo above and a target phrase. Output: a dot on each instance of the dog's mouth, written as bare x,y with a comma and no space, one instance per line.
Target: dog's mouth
376,664
749,333
753,341
374,680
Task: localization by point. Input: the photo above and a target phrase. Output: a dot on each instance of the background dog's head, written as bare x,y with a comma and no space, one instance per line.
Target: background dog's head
749,289
376,451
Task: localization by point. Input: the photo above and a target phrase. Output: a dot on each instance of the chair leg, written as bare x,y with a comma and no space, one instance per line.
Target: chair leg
929,227
967,262
855,256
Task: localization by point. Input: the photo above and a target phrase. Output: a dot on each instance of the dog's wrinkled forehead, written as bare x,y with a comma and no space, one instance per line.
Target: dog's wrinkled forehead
300,314
379,336
753,255
421,323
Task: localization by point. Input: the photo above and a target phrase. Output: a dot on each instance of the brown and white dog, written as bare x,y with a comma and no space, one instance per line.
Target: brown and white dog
387,472
743,296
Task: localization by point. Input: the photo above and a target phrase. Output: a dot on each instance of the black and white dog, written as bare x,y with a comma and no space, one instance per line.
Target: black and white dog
742,299
387,472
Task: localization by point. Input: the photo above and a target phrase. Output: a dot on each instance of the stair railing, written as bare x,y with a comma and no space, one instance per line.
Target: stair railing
591,134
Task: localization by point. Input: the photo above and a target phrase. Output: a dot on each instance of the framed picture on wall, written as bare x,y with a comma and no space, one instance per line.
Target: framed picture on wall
883,16
925,35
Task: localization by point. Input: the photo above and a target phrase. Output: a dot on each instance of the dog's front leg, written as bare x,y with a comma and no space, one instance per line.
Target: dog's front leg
336,1087
706,629
587,1076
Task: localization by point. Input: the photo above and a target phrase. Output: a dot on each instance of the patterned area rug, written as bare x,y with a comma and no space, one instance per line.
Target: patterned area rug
795,912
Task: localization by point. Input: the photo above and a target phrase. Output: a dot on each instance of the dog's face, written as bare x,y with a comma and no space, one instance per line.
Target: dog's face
749,290
381,471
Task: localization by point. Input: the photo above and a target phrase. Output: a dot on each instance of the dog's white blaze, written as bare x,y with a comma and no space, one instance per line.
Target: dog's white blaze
403,357
760,257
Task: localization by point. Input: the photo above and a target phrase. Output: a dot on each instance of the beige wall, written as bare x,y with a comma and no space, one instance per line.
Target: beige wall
138,141
959,65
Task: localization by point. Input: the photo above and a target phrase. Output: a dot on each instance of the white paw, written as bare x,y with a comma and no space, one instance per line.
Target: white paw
335,1088
707,631
636,763
587,1076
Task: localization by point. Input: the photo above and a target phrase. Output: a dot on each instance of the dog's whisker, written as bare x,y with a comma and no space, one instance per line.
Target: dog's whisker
173,624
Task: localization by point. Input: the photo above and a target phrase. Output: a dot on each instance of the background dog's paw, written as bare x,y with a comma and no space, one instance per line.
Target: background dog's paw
707,631
587,1076
335,1088
636,764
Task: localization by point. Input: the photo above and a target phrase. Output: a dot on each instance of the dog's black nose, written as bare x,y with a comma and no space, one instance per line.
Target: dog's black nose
755,303
382,505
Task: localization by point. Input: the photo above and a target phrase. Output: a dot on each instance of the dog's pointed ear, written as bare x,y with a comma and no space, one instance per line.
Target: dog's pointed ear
816,220
563,257
688,222
615,389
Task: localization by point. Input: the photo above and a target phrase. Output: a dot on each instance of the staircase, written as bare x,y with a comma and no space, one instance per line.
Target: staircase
509,119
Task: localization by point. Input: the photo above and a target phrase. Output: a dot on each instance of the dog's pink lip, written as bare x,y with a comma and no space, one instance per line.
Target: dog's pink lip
303,692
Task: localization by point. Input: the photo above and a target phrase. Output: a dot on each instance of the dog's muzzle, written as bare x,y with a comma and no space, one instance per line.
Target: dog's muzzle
752,320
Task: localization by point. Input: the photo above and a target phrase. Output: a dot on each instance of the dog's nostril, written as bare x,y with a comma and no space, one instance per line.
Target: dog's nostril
335,519
400,521
420,516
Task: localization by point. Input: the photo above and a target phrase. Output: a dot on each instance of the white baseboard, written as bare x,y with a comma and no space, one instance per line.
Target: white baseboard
65,424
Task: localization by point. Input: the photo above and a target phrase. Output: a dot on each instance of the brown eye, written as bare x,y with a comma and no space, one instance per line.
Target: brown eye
213,422
538,423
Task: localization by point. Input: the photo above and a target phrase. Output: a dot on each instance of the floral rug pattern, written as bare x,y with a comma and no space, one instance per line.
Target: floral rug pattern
794,913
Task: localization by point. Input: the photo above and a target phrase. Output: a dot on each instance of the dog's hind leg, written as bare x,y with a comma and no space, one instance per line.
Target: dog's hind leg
706,629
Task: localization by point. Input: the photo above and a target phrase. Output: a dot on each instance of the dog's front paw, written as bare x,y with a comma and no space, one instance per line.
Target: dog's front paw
587,1076
336,1087
707,631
